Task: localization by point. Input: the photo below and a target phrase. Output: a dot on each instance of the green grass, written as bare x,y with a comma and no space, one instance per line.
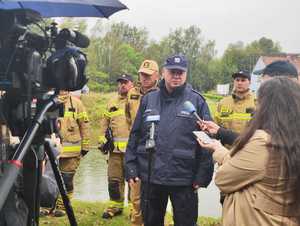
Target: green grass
89,214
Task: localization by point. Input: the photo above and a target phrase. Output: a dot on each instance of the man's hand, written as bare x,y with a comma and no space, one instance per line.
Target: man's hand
196,187
209,126
133,181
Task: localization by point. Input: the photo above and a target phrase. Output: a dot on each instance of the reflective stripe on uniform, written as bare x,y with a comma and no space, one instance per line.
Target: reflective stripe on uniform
75,115
85,141
83,115
236,116
116,204
120,142
70,147
114,113
70,114
102,140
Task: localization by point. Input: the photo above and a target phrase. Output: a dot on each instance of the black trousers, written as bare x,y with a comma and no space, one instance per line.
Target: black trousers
184,202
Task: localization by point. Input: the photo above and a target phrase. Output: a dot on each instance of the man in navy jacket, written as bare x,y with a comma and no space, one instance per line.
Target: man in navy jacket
179,165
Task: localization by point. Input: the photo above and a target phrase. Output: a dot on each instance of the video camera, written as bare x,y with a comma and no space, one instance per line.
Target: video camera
32,65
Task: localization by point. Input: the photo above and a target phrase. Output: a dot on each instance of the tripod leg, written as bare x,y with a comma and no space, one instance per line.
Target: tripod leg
32,176
60,184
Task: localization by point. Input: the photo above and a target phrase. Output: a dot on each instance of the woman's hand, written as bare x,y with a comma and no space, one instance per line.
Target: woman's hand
214,145
208,126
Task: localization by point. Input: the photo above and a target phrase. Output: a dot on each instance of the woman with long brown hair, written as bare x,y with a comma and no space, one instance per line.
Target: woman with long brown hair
261,174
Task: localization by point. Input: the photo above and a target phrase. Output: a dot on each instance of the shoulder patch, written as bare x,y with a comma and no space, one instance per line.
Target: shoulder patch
134,97
195,91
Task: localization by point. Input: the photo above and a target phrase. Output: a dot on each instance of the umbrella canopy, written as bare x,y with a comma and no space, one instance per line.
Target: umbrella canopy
67,8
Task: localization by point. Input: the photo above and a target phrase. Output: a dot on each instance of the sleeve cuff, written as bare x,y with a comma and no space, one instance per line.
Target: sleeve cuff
220,154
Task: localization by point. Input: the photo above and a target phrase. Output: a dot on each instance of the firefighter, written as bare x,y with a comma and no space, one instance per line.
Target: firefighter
115,120
235,111
148,79
74,132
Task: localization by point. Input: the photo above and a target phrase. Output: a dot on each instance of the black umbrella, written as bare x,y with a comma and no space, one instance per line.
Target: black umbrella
67,8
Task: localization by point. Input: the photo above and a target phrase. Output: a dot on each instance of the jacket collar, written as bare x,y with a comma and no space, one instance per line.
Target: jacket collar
241,96
177,91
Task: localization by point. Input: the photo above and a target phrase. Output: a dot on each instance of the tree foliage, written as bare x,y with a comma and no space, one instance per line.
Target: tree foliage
120,48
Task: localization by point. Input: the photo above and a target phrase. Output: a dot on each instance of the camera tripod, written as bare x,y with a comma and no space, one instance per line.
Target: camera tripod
32,167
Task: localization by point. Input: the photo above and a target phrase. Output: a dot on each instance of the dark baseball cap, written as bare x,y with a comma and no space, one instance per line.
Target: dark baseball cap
125,77
176,62
242,73
278,68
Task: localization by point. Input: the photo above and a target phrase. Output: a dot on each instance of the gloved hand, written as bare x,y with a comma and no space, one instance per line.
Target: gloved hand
83,152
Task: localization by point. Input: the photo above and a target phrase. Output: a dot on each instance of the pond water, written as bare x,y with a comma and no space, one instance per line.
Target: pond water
91,185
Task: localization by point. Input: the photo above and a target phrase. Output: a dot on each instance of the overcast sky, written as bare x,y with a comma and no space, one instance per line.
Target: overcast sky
225,21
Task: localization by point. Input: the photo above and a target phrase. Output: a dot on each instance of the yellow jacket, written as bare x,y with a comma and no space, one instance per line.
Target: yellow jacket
74,127
114,117
133,102
234,112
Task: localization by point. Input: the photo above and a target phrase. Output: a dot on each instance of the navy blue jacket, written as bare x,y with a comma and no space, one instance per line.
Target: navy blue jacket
178,159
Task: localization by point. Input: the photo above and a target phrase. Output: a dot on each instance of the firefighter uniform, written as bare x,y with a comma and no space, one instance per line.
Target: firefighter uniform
114,117
74,131
133,102
235,111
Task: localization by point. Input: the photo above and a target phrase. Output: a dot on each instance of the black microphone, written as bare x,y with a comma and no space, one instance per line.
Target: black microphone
153,119
75,37
190,108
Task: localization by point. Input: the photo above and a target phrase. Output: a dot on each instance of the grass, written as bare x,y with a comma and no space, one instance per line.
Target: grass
89,214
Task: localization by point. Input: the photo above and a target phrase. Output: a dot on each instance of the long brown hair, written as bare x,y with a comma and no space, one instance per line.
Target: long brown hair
278,113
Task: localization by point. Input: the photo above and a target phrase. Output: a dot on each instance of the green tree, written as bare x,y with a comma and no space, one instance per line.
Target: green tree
240,57
191,43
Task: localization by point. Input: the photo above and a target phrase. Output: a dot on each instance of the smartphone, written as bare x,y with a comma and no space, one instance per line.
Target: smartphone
203,137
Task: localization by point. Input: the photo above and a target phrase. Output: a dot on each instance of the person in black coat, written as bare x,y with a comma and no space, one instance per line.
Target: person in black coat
179,168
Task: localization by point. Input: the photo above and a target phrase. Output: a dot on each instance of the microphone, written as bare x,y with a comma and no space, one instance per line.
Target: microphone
75,37
190,108
153,119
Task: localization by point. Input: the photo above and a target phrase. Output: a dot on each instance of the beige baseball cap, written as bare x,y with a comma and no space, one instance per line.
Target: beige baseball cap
149,67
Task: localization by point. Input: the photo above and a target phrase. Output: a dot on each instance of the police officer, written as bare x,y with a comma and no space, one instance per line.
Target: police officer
148,78
114,117
178,167
74,132
235,111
